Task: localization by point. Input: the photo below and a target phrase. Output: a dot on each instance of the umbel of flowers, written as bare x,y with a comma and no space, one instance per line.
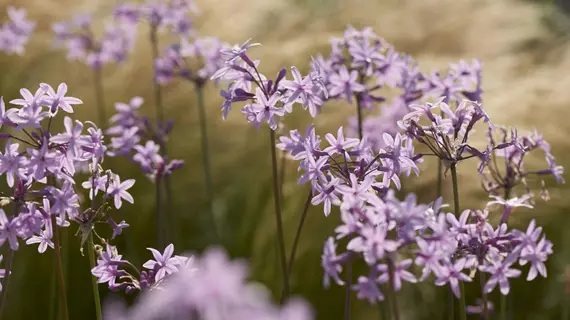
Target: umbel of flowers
358,174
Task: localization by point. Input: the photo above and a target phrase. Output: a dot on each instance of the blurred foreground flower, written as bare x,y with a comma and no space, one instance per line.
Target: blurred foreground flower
210,288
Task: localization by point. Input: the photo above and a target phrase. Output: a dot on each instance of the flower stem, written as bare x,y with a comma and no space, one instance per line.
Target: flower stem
392,292
206,157
505,299
298,236
348,293
59,269
484,296
159,213
160,118
462,309
155,86
99,97
94,285
6,281
278,217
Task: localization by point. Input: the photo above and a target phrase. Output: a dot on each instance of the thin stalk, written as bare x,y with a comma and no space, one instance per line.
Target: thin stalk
484,296
159,213
278,217
94,285
504,301
206,157
155,86
6,280
462,308
392,292
348,292
99,97
298,236
298,233
160,118
59,269
282,164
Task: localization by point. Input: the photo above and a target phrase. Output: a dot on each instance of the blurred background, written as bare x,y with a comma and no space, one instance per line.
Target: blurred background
525,51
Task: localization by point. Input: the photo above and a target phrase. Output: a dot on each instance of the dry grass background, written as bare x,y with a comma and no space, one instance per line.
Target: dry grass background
526,83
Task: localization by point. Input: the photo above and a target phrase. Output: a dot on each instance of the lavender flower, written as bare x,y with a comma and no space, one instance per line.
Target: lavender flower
15,34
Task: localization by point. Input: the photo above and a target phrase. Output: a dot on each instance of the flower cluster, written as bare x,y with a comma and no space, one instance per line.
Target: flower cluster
129,128
194,59
447,133
79,39
175,15
391,235
348,166
271,99
212,287
361,65
113,270
14,35
41,169
505,168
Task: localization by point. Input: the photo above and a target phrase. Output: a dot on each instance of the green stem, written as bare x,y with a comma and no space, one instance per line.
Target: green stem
278,216
160,118
298,235
94,285
348,285
392,292
159,213
99,97
505,299
282,165
484,296
155,86
462,307
6,281
206,157
59,269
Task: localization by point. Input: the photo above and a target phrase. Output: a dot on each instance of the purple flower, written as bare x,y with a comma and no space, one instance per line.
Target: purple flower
265,108
357,189
43,161
344,84
59,100
339,144
164,264
8,231
331,263
327,195
372,241
451,273
12,163
500,272
302,89
44,238
367,288
399,273
237,51
107,268
536,255
118,190
71,137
